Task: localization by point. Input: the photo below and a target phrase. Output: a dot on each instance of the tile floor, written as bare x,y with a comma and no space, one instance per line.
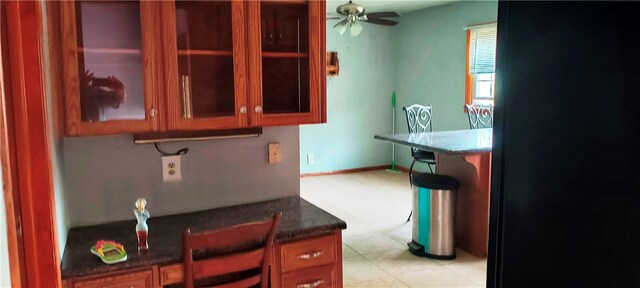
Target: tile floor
375,206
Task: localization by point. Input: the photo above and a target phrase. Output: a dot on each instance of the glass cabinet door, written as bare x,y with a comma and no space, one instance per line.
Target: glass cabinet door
108,82
206,71
288,52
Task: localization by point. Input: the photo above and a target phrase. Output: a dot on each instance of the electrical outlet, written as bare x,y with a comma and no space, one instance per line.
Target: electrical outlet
171,168
311,159
275,153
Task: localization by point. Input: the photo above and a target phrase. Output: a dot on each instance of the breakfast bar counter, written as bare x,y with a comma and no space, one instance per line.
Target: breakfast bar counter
466,155
300,221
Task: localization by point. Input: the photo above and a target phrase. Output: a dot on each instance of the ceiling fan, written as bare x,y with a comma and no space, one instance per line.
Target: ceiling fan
351,15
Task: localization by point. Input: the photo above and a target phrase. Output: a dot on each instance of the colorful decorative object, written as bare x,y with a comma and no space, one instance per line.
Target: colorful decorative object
110,252
142,230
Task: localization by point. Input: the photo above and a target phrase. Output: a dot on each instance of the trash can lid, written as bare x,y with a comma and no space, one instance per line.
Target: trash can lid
435,181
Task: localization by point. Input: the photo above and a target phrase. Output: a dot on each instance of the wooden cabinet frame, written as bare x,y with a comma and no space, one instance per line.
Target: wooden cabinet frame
29,122
175,121
160,69
317,74
151,67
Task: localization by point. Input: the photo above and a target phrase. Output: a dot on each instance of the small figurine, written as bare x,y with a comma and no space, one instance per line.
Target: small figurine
142,230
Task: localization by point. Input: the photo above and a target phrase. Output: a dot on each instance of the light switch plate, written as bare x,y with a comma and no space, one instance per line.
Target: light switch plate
275,153
171,168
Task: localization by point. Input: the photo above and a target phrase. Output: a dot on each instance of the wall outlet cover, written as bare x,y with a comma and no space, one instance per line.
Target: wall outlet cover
311,159
171,168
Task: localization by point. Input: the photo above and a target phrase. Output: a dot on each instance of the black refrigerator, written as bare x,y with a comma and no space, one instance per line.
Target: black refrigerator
565,202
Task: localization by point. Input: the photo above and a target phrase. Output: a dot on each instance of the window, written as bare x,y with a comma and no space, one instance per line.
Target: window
481,59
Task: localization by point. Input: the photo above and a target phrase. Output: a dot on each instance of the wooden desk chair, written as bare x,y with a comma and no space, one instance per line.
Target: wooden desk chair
256,259
480,116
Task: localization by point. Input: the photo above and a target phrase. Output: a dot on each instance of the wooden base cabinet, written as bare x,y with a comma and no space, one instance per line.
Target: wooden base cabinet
191,65
145,278
309,263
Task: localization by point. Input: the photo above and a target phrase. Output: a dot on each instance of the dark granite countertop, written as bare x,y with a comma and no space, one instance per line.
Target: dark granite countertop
300,219
459,141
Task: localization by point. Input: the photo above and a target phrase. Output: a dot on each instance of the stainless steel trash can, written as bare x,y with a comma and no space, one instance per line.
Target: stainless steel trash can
434,212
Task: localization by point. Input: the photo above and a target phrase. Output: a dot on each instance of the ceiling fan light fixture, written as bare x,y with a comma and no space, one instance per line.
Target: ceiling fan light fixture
356,28
351,14
341,26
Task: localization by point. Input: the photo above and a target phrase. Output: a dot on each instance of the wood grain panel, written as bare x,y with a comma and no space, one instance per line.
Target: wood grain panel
254,53
308,253
150,65
472,204
323,48
239,15
316,277
149,16
71,76
11,192
175,120
171,87
42,261
317,69
138,279
171,274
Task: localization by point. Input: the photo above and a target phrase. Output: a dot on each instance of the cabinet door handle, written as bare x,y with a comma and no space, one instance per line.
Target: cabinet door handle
258,109
243,109
153,112
311,255
312,284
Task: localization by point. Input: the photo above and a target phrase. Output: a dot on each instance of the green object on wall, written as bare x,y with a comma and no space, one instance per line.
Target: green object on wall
393,129
393,100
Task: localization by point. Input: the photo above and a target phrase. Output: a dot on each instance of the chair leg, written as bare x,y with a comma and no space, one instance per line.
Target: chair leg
430,169
411,173
411,185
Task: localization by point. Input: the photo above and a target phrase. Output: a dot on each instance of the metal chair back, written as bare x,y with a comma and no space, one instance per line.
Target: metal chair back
419,120
480,116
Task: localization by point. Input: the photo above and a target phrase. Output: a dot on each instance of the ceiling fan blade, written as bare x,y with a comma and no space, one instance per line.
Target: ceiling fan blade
382,15
381,22
333,17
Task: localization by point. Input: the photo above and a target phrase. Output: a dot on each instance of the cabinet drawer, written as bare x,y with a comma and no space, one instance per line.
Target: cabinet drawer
315,277
308,253
141,279
171,274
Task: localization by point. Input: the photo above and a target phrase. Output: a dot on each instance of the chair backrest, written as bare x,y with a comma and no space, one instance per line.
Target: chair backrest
258,258
419,119
480,116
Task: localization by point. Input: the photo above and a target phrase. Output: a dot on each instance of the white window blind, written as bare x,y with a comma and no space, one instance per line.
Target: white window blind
482,49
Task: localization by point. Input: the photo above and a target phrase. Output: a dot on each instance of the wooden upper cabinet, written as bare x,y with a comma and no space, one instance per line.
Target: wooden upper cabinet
136,67
286,62
205,64
110,64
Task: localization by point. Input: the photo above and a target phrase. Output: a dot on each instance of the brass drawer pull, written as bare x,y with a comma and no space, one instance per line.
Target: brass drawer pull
311,255
311,284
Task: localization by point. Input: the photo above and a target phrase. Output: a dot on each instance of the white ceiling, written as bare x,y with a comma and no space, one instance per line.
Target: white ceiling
399,6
